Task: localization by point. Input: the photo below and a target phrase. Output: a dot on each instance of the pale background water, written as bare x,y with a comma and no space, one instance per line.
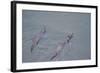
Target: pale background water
57,25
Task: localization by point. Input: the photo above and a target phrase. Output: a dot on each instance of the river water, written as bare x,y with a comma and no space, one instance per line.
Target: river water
57,25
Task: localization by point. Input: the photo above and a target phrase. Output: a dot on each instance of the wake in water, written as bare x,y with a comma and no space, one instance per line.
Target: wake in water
62,44
36,38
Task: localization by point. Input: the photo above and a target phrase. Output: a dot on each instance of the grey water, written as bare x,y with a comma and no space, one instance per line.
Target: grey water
57,25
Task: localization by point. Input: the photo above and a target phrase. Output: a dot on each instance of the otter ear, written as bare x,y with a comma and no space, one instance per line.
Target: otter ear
72,33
